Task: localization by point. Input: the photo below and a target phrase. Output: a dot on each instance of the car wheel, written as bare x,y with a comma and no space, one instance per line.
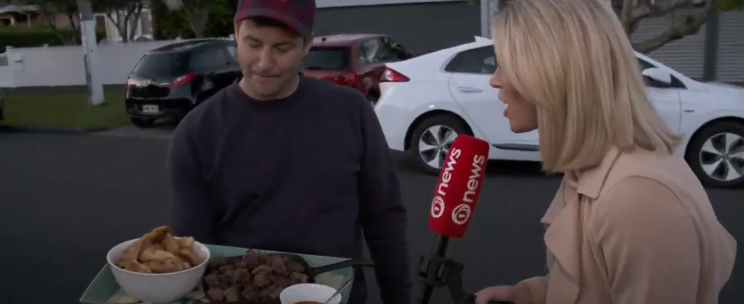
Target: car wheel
142,122
716,155
431,140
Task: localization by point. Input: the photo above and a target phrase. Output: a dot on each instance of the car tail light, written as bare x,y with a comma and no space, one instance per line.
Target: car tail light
183,80
346,79
390,75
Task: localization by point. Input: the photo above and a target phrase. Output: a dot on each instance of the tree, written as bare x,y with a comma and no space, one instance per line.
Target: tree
124,14
196,13
687,17
50,9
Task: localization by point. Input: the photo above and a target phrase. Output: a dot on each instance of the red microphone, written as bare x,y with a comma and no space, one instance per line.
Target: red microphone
459,187
455,198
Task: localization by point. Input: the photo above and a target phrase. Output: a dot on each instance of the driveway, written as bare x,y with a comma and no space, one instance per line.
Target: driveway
67,199
157,131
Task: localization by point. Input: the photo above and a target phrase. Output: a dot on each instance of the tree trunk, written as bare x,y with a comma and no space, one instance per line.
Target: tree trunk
197,20
136,18
158,9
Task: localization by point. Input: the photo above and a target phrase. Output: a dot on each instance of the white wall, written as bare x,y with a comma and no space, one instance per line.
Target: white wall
63,65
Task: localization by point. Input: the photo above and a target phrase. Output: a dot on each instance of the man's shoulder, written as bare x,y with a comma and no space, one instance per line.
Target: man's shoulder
207,116
335,93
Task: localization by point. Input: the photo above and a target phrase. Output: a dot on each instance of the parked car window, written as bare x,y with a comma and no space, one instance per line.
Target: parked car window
362,56
480,60
369,49
390,51
233,50
645,64
676,83
161,64
326,58
208,57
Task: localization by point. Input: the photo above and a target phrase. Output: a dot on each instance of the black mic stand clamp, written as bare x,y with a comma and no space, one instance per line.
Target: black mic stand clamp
445,272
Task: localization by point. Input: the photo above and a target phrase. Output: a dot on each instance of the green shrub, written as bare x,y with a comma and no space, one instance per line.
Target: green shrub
38,36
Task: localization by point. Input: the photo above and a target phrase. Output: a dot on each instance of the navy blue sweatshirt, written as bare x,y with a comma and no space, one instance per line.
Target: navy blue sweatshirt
310,173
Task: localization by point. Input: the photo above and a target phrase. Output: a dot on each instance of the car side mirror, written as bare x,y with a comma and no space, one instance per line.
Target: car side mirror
658,75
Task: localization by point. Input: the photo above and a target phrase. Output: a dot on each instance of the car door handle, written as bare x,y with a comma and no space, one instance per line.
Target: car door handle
469,89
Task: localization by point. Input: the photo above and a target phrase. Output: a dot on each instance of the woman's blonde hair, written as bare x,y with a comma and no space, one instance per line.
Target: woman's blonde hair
573,59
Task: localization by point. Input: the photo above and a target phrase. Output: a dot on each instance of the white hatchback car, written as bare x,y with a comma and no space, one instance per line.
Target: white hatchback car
427,101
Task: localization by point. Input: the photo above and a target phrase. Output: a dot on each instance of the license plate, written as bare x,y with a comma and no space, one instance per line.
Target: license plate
150,109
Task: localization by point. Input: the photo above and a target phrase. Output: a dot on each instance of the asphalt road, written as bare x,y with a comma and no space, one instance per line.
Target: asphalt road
65,200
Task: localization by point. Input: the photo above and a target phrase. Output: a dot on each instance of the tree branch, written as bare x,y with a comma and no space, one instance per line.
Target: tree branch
686,25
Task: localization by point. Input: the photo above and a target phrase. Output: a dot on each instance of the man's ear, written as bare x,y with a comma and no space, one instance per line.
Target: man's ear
308,43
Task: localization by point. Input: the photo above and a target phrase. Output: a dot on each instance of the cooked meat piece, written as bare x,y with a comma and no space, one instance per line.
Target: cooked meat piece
278,264
297,278
216,294
261,268
240,276
250,293
261,279
275,293
226,267
251,259
266,293
228,274
212,280
294,266
232,294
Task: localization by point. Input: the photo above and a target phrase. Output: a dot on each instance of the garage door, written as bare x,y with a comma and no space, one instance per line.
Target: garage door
730,66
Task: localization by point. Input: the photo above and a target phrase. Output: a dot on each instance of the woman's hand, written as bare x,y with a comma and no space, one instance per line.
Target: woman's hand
502,293
514,294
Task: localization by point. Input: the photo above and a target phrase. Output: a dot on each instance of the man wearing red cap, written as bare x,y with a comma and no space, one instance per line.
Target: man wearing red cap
284,162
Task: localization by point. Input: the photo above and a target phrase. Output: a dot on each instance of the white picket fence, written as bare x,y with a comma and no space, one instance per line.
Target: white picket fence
63,65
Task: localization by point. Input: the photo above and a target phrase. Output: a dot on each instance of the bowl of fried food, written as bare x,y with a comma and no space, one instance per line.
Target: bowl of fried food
158,267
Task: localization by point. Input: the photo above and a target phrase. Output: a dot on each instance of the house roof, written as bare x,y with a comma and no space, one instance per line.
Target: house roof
18,8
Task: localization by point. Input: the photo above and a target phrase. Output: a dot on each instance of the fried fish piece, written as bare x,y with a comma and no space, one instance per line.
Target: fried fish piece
130,253
156,236
185,242
190,256
136,266
170,244
165,265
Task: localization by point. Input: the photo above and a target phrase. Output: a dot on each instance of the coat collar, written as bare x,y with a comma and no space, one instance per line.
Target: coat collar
590,182
565,230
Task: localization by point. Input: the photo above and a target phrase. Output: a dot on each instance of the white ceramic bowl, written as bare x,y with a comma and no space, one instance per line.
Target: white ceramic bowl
157,287
309,292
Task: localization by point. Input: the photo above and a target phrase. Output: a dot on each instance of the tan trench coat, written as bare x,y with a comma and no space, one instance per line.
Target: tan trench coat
638,229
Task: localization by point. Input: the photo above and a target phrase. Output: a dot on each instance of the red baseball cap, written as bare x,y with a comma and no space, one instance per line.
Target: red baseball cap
297,14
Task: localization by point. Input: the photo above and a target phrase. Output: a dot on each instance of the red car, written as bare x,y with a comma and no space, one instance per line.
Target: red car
353,60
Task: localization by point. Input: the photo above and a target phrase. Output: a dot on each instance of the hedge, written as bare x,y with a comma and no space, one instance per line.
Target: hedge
37,36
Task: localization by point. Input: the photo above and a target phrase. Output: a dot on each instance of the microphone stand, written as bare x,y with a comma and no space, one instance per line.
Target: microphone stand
440,271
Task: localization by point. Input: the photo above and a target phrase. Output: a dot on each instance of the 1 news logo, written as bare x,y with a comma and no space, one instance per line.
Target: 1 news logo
437,207
461,214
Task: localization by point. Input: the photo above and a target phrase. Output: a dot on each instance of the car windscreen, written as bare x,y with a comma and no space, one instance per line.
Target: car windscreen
162,65
326,58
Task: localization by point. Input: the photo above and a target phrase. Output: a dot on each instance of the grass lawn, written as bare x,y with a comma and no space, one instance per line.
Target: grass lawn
64,111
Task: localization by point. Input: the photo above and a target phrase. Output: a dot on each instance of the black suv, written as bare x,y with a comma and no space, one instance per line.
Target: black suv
171,80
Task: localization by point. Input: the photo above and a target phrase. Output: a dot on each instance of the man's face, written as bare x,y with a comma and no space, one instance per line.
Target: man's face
269,58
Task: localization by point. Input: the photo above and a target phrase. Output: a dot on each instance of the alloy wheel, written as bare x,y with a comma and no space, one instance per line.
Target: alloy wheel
434,145
722,157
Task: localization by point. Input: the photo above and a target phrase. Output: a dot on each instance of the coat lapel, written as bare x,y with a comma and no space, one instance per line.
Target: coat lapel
563,241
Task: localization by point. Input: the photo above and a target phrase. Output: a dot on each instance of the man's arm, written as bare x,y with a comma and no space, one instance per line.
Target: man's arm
383,216
191,210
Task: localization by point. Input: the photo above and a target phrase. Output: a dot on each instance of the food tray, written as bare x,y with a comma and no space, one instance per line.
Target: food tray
311,272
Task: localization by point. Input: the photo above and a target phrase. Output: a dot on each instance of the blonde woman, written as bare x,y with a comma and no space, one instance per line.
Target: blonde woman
631,223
